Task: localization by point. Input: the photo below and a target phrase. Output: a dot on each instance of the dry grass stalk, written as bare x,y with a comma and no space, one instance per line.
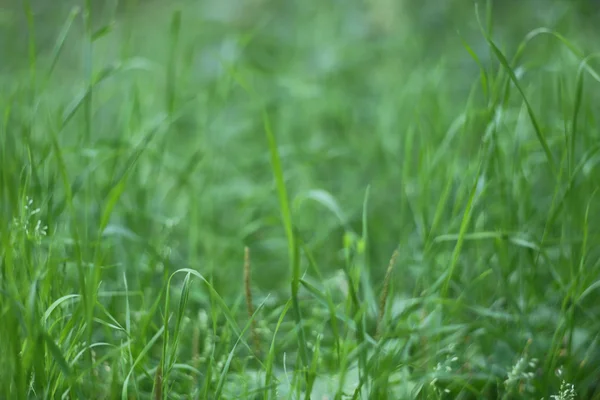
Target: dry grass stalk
249,303
384,293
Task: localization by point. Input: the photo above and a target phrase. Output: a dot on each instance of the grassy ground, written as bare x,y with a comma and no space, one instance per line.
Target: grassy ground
292,200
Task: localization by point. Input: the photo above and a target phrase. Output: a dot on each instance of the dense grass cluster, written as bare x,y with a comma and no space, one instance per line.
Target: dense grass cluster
282,200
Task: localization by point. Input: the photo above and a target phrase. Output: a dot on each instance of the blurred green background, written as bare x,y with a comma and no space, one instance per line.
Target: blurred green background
346,84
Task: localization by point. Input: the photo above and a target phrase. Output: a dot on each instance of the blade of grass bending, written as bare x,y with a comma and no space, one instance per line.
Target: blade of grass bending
485,87
60,41
142,354
103,31
104,74
577,106
57,355
325,199
511,73
541,31
221,303
57,303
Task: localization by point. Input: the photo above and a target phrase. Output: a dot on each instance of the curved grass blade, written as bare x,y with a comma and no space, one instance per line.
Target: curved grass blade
142,354
513,77
225,369
60,42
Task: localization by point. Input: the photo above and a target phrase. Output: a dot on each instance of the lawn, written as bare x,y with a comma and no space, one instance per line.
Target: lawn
226,199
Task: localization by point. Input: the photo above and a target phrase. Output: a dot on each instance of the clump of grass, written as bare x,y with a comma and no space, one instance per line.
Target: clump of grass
482,166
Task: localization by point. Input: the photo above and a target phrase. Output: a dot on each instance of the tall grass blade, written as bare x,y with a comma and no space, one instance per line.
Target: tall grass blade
289,231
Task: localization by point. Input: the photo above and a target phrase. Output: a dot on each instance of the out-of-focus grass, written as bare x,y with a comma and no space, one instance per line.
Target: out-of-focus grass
145,145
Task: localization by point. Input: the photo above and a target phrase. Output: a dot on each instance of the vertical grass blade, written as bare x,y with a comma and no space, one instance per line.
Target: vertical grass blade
294,257
464,226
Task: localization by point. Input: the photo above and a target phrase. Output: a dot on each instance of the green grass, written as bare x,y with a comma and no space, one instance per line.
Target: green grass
145,147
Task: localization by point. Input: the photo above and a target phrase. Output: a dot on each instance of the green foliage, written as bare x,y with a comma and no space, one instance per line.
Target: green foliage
149,144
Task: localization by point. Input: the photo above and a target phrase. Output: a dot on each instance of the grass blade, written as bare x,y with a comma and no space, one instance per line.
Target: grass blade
289,231
461,238
513,77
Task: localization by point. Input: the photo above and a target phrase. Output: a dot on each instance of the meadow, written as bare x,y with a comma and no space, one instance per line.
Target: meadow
289,200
